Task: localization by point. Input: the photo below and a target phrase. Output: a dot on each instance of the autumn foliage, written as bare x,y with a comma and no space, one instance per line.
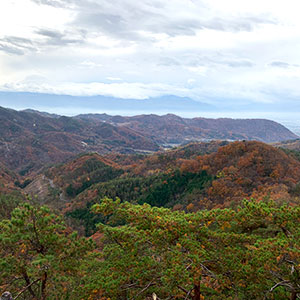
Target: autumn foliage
245,170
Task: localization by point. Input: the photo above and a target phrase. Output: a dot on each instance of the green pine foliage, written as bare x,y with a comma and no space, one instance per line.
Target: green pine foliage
251,252
8,202
162,190
39,257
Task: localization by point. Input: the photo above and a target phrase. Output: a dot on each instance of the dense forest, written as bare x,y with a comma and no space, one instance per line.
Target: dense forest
251,252
211,220
192,177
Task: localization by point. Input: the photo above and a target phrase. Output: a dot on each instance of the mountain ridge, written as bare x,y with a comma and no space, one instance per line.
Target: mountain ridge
172,128
30,140
103,103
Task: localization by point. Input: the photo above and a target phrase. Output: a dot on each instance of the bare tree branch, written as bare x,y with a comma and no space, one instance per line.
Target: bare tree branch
26,287
27,280
183,289
144,289
281,283
187,295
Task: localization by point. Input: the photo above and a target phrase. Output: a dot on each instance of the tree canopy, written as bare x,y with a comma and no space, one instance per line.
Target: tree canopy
250,252
40,257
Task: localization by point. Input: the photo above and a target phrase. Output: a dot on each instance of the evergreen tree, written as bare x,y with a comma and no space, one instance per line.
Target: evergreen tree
40,257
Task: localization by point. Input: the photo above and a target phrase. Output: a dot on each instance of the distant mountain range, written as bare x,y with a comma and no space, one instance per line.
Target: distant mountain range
164,104
71,105
30,140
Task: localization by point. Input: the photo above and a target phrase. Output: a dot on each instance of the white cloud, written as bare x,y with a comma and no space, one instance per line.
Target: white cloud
114,78
123,90
90,64
200,70
206,49
20,18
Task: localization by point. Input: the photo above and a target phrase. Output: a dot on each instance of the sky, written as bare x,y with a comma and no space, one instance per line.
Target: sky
237,51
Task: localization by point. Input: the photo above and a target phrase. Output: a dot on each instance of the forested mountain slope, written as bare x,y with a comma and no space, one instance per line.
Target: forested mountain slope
30,140
184,178
7,179
174,129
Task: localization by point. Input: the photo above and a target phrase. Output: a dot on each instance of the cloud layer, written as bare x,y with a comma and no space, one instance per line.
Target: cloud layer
209,50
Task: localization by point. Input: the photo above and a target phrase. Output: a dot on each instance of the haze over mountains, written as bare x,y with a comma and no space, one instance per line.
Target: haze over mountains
70,105
282,112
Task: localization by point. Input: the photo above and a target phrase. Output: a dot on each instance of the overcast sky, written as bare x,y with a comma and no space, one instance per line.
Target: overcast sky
239,50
